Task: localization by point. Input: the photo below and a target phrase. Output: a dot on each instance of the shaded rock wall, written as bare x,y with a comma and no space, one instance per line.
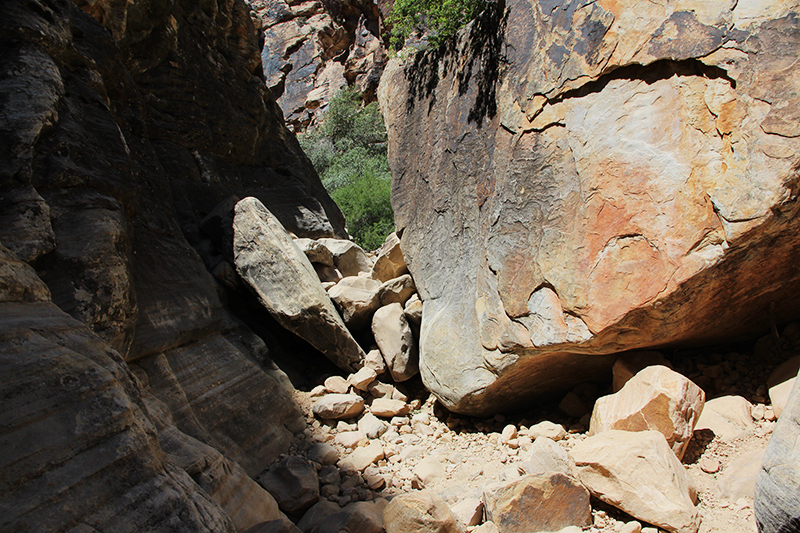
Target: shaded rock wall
122,125
591,179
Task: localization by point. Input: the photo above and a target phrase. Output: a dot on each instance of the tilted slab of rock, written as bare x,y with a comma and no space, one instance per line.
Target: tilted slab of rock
636,471
593,178
287,286
656,398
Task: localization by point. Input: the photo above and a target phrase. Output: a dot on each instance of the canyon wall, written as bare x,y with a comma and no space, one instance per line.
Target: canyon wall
594,177
133,398
312,49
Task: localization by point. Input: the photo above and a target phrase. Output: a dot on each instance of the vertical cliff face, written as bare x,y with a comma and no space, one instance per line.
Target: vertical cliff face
313,49
590,178
134,396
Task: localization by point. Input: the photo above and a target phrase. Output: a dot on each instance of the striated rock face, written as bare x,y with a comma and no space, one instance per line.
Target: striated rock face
122,126
590,179
77,448
314,49
776,505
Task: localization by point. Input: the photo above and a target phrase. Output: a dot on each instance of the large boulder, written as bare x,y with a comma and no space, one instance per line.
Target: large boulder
656,398
593,178
420,512
638,473
286,284
777,505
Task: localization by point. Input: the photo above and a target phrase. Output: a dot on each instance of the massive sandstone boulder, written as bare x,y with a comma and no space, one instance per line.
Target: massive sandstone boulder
131,396
594,178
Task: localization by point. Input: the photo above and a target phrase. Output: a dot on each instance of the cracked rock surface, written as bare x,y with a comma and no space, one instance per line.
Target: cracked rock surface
593,177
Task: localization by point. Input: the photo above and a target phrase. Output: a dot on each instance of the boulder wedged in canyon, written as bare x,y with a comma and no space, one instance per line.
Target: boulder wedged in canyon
121,128
592,179
286,284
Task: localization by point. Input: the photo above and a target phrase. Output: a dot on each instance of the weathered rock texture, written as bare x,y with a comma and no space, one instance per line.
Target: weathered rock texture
286,284
590,178
313,49
132,399
656,398
777,505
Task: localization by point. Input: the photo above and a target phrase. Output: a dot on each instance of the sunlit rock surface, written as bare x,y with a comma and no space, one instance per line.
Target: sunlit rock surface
593,178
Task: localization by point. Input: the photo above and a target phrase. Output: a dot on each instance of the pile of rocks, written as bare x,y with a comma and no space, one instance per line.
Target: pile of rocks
374,296
656,457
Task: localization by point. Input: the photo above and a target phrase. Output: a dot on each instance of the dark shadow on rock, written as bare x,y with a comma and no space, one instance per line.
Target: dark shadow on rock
700,440
483,51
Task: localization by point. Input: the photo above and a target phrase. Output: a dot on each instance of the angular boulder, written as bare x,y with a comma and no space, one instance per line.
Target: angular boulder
395,340
781,382
729,417
315,252
628,365
545,456
293,483
285,283
356,305
588,179
419,512
656,398
545,502
390,263
338,406
638,473
348,257
397,290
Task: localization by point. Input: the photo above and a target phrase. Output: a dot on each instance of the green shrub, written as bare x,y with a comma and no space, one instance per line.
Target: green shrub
366,203
442,17
349,153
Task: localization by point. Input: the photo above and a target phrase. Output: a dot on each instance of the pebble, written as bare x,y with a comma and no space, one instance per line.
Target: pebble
631,527
709,465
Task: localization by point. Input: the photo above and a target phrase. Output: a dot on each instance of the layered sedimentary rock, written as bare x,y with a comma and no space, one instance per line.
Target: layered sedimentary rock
77,449
590,178
122,126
